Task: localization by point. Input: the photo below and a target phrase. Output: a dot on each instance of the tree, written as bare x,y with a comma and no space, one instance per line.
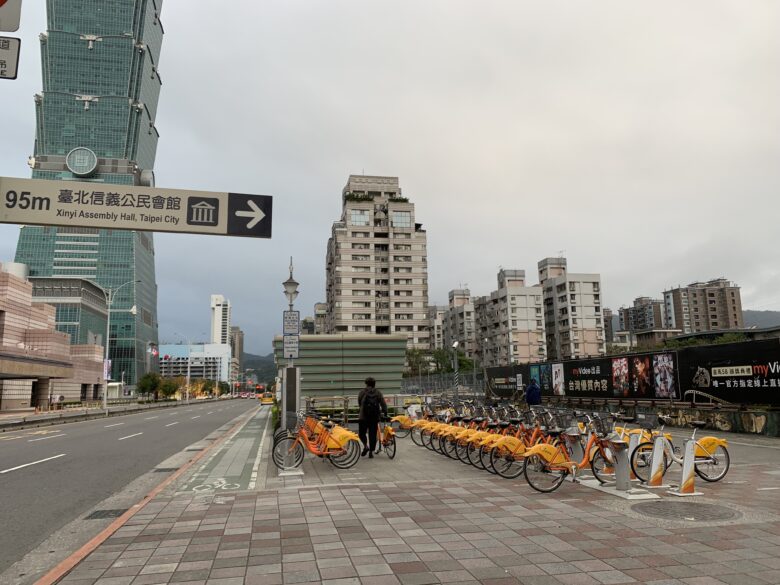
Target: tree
224,388
168,387
416,360
149,384
442,361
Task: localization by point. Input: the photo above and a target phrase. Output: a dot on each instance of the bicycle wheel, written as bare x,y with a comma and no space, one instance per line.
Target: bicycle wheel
485,455
447,445
505,464
473,454
390,447
416,434
461,452
642,459
715,466
540,476
427,440
281,433
349,457
287,453
602,469
399,432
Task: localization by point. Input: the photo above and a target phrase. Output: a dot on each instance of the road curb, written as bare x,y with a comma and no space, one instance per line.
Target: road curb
68,564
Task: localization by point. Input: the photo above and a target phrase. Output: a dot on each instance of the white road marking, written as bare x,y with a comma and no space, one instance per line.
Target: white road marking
152,418
767,489
113,425
44,438
129,436
210,412
752,445
194,417
256,466
171,424
33,463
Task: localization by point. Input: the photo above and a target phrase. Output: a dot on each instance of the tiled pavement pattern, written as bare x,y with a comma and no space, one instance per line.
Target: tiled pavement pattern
477,530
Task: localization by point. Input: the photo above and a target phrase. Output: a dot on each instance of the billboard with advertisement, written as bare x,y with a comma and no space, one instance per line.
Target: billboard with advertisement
558,384
588,378
739,373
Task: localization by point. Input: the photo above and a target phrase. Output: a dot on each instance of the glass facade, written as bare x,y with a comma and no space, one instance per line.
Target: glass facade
100,91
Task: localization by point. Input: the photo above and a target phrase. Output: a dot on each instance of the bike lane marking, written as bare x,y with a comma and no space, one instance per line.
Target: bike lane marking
129,436
33,463
256,465
171,424
113,425
194,417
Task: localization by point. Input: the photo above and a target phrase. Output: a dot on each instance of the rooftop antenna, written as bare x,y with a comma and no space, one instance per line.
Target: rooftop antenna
561,253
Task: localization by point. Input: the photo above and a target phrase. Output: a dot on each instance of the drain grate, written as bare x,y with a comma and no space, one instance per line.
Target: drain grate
196,449
165,469
101,514
688,511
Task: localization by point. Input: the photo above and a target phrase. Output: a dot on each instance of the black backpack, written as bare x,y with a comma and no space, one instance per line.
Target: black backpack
371,407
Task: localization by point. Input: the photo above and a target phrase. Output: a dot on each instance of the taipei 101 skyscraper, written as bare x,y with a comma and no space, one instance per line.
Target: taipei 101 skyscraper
95,121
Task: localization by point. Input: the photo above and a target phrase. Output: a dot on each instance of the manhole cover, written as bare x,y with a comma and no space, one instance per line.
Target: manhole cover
100,514
689,511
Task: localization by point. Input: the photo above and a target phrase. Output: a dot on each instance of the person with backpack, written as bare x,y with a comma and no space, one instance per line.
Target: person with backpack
372,406
533,394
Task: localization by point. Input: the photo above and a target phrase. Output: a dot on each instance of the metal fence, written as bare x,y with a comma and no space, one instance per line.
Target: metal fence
468,383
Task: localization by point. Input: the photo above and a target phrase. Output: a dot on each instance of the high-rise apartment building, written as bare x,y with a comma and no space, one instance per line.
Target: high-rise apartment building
704,306
376,264
609,329
236,344
220,319
509,325
436,325
646,314
459,322
572,311
95,122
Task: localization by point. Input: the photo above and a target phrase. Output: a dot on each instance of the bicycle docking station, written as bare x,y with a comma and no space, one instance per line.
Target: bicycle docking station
657,465
621,465
291,397
686,487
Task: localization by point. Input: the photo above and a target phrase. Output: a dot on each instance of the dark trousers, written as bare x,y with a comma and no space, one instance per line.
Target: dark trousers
370,427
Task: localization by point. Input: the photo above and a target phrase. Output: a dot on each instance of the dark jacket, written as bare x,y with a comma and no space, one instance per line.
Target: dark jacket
361,400
533,394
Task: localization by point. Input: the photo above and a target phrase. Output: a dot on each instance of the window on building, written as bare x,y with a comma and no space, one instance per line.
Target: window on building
358,216
402,219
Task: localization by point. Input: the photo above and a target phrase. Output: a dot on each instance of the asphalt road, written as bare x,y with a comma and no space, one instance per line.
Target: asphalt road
51,476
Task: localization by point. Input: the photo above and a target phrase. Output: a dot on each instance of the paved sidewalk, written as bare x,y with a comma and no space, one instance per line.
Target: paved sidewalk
422,518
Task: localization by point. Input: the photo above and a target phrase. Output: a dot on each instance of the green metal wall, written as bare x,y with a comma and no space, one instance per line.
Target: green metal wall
337,365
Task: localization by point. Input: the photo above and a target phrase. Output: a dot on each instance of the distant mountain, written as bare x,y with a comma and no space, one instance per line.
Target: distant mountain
761,318
263,365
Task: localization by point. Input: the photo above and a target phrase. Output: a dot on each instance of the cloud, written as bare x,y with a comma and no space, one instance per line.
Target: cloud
641,139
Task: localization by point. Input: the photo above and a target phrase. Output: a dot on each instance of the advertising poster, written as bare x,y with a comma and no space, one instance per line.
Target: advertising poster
533,374
587,378
620,385
738,373
557,380
663,375
545,374
641,377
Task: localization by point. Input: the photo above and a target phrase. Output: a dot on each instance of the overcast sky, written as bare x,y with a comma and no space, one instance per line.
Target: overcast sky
641,139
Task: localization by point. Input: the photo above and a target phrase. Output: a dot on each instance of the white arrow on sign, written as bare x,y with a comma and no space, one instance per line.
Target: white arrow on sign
254,212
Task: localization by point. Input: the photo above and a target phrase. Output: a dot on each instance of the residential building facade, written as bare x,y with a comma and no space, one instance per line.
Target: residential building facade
320,318
376,264
715,305
459,322
220,319
95,122
574,324
646,314
237,344
206,361
436,325
509,324
609,329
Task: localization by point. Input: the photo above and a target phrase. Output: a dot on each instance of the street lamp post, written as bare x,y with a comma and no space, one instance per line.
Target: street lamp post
457,374
291,378
110,294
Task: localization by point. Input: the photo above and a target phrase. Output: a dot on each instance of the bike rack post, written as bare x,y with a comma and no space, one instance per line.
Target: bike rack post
621,465
657,467
633,443
686,487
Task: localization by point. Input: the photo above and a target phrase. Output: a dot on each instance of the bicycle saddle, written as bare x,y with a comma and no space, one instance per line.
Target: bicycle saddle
492,425
503,424
328,424
646,425
467,419
456,418
478,420
515,421
625,418
555,432
698,424
664,420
